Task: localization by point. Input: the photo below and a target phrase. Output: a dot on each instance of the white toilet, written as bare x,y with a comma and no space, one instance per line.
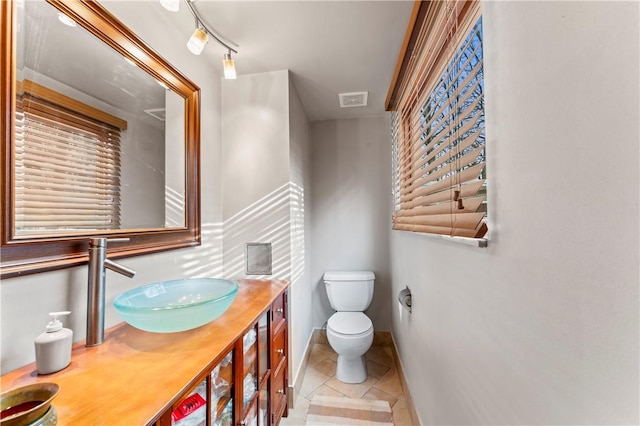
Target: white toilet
350,331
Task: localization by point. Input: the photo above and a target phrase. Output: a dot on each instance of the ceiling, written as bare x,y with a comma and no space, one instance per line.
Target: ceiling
330,47
52,54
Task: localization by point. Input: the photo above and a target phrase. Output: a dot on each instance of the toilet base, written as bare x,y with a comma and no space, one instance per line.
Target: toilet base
351,370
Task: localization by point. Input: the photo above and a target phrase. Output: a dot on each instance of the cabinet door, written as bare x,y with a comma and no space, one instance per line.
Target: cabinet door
249,367
279,391
263,346
221,379
279,348
279,359
279,310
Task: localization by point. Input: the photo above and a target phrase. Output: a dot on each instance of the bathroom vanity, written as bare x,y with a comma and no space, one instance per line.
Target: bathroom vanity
232,370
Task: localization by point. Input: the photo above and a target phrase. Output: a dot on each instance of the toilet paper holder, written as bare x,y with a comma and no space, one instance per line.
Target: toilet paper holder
404,298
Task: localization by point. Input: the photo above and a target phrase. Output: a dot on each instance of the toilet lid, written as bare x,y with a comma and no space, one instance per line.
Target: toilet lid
349,322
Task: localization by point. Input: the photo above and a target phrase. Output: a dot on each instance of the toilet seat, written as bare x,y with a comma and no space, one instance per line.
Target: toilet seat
350,324
350,334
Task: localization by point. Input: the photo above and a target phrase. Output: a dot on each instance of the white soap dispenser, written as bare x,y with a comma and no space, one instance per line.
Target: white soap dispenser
53,347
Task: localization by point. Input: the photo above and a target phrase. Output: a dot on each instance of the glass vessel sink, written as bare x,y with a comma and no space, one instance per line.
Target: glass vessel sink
177,305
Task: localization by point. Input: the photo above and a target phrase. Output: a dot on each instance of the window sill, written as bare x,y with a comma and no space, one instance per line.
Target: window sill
474,242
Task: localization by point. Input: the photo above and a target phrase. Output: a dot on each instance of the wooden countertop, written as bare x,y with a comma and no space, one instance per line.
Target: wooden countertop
134,375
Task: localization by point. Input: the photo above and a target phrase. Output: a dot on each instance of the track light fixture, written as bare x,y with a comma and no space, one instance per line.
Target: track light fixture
201,35
197,41
171,5
229,66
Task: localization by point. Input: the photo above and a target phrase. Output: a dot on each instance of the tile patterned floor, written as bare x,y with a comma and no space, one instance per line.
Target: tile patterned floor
382,382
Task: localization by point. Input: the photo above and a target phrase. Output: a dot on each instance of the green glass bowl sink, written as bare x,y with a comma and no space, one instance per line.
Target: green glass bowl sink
177,305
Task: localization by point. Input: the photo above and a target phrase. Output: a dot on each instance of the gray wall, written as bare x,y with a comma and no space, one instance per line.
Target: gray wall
265,175
301,294
143,176
26,301
351,199
541,327
255,169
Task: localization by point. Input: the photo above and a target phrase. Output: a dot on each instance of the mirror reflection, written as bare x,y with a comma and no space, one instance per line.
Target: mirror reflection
100,144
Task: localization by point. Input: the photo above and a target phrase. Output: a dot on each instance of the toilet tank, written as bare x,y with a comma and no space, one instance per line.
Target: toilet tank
349,291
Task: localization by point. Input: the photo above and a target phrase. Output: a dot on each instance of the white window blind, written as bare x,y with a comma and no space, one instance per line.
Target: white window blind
67,169
438,127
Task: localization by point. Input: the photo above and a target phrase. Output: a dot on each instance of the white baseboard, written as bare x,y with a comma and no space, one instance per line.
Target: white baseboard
292,391
403,381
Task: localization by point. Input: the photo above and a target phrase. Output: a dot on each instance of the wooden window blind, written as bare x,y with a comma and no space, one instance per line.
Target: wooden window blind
67,169
438,123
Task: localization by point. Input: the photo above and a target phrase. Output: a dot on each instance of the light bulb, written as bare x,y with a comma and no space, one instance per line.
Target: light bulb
229,66
197,41
171,5
66,20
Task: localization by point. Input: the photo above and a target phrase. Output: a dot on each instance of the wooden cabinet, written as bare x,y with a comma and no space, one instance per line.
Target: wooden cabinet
247,385
141,378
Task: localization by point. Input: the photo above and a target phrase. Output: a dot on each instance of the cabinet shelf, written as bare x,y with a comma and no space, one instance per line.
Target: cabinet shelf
249,359
220,406
251,411
226,374
218,417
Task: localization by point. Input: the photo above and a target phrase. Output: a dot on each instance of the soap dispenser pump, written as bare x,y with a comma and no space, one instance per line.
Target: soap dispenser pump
53,347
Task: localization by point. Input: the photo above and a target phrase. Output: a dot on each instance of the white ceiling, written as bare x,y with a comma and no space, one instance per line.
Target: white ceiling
52,54
329,46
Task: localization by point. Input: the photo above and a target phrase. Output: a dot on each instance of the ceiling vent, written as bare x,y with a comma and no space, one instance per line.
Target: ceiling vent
353,99
156,113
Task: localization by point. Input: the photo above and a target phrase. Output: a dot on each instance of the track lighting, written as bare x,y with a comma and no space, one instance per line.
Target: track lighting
197,41
229,66
201,35
171,5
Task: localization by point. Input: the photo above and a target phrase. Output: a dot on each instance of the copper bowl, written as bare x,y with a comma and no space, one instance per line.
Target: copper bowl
26,404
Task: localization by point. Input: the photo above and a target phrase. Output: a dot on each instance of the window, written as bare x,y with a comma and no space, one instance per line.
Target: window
438,124
67,166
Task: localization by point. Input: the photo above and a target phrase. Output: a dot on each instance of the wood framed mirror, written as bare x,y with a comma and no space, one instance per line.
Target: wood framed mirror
100,138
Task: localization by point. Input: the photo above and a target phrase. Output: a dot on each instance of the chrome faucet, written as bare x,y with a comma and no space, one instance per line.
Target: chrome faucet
98,263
